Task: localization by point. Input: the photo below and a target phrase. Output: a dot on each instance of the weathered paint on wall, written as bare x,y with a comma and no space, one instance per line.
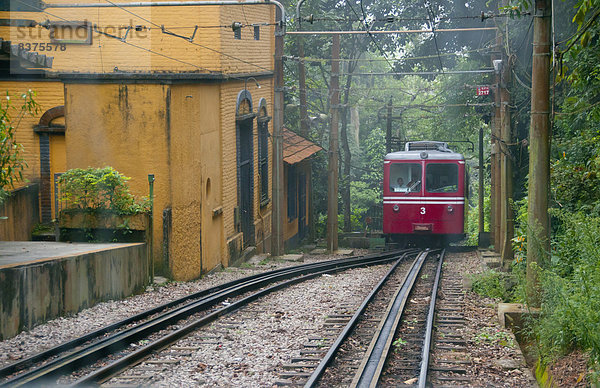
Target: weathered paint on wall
196,179
106,128
171,131
148,48
176,133
22,212
32,294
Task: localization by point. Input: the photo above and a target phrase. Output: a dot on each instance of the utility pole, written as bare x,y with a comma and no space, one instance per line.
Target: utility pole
480,188
332,168
506,175
538,222
495,157
304,123
388,131
277,246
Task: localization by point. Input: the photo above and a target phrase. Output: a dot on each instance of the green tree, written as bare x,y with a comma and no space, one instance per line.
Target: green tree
12,162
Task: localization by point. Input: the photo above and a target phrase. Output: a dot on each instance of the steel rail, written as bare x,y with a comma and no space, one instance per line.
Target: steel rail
429,327
320,369
45,355
121,340
108,371
371,368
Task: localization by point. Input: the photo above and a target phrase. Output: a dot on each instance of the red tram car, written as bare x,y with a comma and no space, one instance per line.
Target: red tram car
424,195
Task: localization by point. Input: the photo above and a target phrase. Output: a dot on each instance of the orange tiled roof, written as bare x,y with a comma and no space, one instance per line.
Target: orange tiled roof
296,148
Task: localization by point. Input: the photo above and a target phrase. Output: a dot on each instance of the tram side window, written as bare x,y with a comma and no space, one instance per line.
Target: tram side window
441,178
405,177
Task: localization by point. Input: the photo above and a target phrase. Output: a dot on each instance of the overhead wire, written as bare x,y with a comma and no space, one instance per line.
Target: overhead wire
369,34
124,42
393,19
188,40
325,60
432,24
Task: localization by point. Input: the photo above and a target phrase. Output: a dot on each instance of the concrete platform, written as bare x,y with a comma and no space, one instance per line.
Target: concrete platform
40,281
19,253
491,259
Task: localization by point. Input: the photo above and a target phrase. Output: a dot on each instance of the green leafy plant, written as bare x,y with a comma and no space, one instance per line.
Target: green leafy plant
398,343
99,189
570,316
494,284
12,162
491,335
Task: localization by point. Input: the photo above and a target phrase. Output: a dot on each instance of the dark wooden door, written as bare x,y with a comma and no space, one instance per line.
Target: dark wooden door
246,180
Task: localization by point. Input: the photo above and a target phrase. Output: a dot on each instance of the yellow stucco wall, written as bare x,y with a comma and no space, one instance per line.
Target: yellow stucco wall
48,95
149,49
195,139
184,134
123,126
176,133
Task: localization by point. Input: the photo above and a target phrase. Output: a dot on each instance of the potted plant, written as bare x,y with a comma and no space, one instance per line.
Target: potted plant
97,205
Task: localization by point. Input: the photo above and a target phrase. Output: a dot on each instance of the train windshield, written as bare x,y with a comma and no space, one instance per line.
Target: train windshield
441,178
405,177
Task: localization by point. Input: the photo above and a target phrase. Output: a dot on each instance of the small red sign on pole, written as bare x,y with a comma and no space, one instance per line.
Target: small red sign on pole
483,90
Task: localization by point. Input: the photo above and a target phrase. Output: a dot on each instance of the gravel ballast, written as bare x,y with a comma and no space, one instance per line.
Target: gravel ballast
250,347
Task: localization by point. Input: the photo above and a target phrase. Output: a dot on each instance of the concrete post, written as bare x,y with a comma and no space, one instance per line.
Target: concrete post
507,225
277,246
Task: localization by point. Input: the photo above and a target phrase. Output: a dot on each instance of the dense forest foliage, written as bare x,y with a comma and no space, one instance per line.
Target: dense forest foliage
372,66
444,106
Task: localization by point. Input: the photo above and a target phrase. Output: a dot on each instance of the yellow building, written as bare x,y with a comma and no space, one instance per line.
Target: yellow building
170,91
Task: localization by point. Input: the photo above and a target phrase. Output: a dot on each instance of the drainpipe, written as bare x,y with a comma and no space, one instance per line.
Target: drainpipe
149,233
277,247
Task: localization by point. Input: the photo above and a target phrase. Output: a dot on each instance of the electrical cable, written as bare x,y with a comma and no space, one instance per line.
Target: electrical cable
370,35
327,60
120,40
519,80
164,30
432,24
394,19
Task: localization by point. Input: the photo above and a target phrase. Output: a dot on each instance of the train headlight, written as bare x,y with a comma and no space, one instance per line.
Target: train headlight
450,209
396,208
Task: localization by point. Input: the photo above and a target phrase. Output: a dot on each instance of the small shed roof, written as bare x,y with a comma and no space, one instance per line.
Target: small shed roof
296,148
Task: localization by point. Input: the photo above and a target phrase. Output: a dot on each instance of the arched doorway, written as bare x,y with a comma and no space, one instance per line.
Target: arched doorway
53,159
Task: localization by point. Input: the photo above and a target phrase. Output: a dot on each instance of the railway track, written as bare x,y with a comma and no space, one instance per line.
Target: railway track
96,357
415,341
405,332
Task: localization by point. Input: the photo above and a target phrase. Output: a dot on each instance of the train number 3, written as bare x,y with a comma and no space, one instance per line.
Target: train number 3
423,210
